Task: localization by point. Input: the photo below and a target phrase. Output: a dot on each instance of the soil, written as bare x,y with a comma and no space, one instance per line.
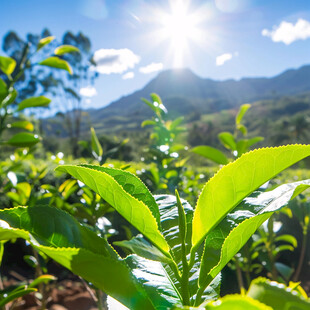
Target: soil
63,295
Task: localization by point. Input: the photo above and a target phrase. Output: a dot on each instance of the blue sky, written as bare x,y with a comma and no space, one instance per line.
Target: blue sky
235,38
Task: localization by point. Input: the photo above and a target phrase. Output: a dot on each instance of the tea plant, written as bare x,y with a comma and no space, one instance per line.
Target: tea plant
236,145
178,261
164,150
9,109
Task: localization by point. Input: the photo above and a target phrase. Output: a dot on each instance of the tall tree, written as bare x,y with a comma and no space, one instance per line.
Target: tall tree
63,87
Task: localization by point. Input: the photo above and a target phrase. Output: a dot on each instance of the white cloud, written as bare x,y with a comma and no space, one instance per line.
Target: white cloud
88,91
220,60
288,32
128,75
153,67
114,61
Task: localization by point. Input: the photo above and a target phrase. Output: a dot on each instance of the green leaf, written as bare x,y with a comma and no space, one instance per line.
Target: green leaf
60,236
55,62
23,139
154,278
127,194
236,228
254,140
16,294
138,245
211,153
170,223
64,49
237,180
242,112
287,238
3,90
95,144
148,122
237,302
228,140
7,65
46,278
45,41
276,295
10,98
285,271
22,124
34,102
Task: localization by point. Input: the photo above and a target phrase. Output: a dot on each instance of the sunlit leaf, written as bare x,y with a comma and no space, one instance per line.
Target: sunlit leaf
237,180
211,153
7,65
45,41
55,62
22,124
64,49
127,194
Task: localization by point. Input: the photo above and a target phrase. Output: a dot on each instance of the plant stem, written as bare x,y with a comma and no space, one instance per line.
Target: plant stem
99,299
302,253
239,276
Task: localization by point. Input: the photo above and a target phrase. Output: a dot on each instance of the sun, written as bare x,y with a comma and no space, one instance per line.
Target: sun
179,26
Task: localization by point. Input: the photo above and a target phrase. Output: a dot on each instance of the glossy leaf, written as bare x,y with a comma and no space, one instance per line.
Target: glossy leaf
170,222
127,194
34,102
7,65
154,278
228,140
22,124
237,227
211,153
23,139
60,236
237,180
138,245
64,49
55,62
45,41
277,296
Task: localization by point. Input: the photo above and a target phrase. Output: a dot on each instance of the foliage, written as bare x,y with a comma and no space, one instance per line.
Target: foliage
184,249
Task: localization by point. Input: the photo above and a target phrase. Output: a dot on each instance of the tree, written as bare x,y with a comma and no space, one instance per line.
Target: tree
63,87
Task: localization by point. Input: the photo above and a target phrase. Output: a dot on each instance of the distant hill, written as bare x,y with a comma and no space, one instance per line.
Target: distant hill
185,93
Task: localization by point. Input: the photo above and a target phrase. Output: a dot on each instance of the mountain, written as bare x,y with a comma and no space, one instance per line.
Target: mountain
185,93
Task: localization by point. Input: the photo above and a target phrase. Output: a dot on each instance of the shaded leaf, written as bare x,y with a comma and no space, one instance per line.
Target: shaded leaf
138,245
228,140
23,139
211,153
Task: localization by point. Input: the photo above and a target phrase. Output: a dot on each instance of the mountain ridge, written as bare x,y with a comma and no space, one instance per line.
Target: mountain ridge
183,91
